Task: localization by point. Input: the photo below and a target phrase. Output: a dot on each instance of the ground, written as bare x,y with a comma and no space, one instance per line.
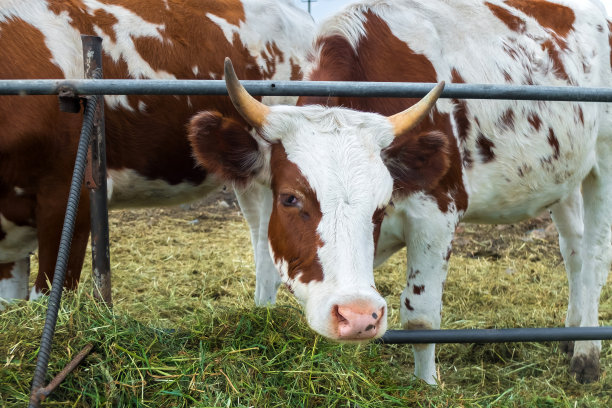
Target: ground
184,330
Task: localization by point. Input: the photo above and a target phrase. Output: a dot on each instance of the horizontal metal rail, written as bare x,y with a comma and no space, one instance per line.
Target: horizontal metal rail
496,335
305,88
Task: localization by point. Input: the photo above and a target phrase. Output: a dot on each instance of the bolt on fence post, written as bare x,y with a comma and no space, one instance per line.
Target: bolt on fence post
96,179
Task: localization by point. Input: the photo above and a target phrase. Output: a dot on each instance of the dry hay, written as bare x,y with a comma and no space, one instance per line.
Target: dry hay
190,268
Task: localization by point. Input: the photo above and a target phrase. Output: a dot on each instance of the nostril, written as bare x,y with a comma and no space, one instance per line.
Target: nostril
338,315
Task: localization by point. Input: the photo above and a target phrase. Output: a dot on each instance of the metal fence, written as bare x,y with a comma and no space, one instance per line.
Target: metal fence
69,92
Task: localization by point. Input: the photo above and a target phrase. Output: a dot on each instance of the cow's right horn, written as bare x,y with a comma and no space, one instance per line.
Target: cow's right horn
409,118
253,111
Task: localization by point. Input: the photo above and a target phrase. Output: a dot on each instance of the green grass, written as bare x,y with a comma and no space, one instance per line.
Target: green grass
184,331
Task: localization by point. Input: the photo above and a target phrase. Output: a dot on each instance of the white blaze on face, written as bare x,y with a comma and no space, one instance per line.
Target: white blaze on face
339,154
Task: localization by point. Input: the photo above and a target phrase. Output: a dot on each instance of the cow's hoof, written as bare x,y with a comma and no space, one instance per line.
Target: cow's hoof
585,367
567,347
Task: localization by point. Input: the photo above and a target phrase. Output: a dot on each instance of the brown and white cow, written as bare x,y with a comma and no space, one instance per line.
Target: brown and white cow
351,186
149,158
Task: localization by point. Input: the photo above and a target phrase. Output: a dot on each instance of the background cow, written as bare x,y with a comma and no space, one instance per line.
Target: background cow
149,159
334,171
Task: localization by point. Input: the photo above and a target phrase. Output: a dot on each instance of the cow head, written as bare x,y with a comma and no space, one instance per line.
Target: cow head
326,168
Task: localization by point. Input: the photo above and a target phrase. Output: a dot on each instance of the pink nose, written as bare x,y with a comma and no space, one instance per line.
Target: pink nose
357,321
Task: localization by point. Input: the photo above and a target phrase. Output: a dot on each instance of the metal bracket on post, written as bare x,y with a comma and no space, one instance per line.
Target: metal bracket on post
95,179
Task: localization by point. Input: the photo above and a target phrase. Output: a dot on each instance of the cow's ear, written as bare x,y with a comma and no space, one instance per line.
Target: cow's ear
224,147
417,162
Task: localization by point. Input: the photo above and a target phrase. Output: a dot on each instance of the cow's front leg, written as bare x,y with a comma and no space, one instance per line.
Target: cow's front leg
597,255
256,205
50,212
428,233
568,218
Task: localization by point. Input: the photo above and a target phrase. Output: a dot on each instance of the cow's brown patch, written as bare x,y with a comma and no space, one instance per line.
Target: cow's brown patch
556,17
6,270
485,148
418,289
515,23
534,120
296,70
507,118
293,230
377,219
413,273
554,143
580,114
551,49
407,304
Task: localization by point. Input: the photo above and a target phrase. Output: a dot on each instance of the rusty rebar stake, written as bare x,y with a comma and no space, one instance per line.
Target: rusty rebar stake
44,392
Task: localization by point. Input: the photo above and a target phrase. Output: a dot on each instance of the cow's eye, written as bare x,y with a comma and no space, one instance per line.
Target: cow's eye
289,200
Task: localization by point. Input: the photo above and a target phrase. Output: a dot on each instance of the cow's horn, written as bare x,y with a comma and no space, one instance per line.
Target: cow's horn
250,108
406,120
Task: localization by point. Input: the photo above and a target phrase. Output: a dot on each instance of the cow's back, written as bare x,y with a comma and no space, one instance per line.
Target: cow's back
149,159
517,156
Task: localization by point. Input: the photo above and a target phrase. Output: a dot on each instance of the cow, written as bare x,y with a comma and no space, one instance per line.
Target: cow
356,179
149,159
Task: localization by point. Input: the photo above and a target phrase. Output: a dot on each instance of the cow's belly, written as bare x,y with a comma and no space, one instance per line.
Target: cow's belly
17,242
127,188
514,190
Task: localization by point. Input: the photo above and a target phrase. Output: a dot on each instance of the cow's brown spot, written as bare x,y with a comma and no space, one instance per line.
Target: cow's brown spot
534,121
407,304
515,23
461,118
377,219
6,270
554,143
556,17
296,70
485,148
551,48
507,76
293,237
580,114
508,118
418,289
413,274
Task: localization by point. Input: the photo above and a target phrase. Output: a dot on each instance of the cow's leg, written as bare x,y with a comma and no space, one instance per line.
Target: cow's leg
428,243
50,212
14,280
597,255
256,205
568,218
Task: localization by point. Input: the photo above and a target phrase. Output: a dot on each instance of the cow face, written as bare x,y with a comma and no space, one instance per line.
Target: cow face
330,186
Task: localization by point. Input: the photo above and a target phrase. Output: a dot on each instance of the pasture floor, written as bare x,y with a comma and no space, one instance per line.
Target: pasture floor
184,330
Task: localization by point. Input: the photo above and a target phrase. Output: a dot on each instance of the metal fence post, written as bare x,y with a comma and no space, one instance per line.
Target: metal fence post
96,179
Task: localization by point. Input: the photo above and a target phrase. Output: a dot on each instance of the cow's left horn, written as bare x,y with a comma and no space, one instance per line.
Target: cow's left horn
253,111
406,120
